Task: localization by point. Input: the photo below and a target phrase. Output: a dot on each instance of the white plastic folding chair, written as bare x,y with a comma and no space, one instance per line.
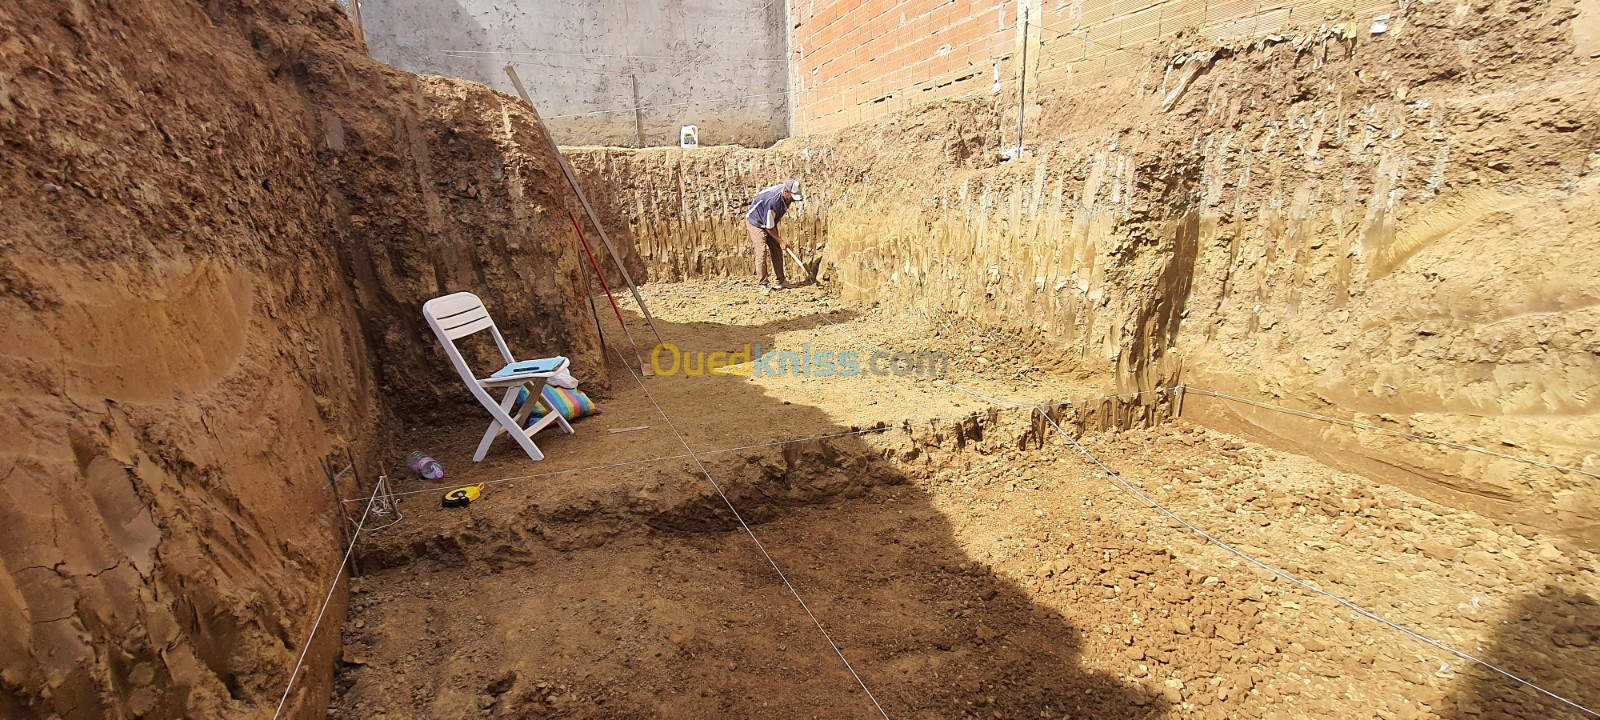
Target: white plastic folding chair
458,315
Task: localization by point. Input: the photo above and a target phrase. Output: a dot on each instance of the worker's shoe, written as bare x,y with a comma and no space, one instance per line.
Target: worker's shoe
777,286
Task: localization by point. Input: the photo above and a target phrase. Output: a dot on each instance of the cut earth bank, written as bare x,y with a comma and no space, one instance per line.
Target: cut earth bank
220,221
211,285
1395,229
969,563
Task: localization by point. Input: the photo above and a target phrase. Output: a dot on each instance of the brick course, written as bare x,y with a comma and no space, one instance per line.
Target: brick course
856,60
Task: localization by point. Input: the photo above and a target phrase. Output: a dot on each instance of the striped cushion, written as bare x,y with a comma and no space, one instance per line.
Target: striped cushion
572,404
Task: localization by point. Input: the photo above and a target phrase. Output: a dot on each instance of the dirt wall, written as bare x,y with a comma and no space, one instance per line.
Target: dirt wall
679,213
222,221
1384,227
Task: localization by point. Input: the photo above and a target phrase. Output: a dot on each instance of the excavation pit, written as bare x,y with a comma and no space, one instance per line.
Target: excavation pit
969,562
1277,266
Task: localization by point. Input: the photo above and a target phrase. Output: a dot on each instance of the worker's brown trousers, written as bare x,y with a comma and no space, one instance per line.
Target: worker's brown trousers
762,245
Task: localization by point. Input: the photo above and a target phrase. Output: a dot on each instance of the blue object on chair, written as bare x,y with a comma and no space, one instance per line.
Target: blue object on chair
542,365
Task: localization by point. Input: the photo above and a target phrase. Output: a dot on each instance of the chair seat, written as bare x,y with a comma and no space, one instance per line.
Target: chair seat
457,315
523,370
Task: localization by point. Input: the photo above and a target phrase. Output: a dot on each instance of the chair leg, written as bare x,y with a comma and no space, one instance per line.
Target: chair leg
520,422
534,400
527,445
561,420
503,422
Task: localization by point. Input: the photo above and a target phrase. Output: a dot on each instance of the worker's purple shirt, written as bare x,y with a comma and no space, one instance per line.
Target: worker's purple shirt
768,208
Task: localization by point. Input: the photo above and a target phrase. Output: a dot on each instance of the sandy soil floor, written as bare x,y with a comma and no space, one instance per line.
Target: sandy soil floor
722,413
965,566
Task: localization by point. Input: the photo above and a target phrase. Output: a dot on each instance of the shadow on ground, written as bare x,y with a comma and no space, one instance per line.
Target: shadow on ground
633,591
1550,638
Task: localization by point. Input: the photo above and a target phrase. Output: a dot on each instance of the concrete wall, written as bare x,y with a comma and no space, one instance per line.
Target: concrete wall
721,65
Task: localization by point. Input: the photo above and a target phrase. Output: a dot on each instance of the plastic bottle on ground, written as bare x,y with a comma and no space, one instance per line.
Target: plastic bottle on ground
424,466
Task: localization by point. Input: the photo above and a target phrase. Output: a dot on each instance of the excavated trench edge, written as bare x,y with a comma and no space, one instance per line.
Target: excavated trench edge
763,483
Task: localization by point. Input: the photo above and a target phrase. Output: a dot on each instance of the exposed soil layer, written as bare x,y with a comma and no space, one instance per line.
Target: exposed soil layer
721,416
1327,217
220,221
975,566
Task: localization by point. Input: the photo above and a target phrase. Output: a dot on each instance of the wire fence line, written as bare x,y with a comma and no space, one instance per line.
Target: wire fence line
540,64
1072,440
632,108
1130,488
751,533
323,611
626,56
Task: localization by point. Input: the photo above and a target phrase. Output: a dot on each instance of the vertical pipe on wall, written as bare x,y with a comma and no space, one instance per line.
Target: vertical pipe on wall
638,114
791,74
1022,85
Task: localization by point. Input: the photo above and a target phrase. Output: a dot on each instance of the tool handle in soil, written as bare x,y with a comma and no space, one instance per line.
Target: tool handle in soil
796,259
644,367
572,180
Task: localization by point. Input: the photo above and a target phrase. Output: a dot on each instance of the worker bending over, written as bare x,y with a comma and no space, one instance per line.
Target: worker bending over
762,223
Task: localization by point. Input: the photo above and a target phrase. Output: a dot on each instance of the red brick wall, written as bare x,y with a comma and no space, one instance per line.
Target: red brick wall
1093,38
855,60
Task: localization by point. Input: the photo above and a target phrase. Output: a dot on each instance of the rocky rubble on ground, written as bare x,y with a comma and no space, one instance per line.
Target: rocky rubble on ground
1019,581
1219,636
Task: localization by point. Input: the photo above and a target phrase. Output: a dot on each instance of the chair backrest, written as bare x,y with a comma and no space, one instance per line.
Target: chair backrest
456,316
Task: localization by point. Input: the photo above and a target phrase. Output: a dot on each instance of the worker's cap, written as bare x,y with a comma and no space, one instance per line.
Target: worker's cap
793,188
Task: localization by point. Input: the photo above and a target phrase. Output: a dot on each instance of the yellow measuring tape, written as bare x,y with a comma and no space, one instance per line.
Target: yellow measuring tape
462,496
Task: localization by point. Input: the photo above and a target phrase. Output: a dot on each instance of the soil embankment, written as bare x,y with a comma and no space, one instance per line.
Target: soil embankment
1392,228
221,223
968,565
